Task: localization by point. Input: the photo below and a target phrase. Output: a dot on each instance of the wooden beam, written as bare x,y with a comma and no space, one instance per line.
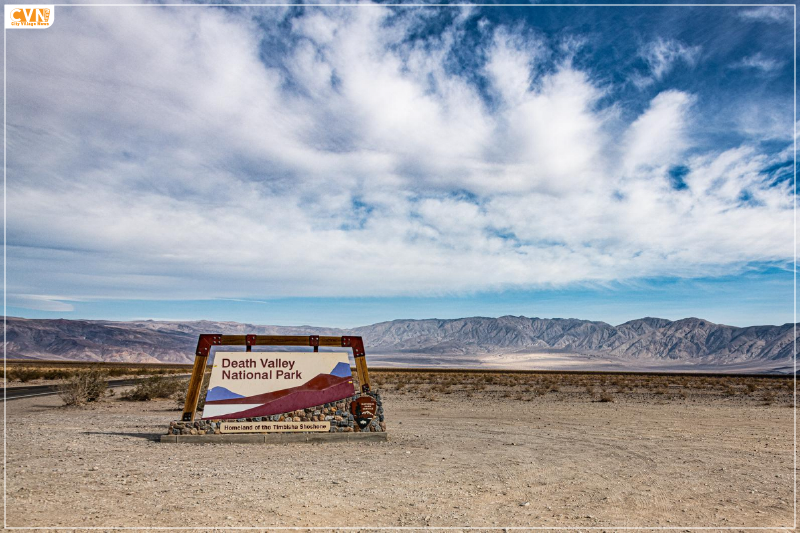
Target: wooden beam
232,340
282,340
357,344
195,384
363,373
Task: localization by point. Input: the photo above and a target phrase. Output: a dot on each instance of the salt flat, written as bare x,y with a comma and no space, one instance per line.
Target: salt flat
558,360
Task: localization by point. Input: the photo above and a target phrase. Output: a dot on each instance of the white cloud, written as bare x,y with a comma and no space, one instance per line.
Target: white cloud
510,64
658,136
769,13
40,302
759,61
661,56
202,162
766,119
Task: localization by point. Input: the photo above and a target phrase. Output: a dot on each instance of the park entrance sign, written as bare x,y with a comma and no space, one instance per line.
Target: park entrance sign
259,384
306,394
206,342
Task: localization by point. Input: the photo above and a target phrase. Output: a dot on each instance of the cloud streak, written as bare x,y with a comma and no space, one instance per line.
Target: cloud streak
759,61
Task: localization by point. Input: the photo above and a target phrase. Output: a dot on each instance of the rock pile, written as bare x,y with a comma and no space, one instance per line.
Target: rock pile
337,413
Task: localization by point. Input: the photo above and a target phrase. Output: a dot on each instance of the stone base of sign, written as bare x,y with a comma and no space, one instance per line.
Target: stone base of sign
337,414
276,438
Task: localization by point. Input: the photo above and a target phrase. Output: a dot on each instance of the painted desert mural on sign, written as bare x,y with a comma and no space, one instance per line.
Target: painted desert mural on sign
249,384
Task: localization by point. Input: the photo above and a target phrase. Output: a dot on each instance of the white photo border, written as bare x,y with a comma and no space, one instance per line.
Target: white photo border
506,528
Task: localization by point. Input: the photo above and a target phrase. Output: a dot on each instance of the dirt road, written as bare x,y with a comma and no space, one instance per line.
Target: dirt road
483,459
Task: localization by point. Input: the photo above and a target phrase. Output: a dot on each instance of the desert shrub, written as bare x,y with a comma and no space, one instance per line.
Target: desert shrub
606,397
23,374
769,398
180,396
58,374
154,387
83,387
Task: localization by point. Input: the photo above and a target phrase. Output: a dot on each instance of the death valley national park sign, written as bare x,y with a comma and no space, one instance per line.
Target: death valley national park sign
253,384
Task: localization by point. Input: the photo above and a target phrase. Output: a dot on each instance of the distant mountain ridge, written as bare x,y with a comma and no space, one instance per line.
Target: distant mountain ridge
647,339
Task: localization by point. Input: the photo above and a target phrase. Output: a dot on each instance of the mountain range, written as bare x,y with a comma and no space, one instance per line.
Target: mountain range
508,341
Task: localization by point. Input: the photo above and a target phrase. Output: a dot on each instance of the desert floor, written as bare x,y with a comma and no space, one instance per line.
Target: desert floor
464,450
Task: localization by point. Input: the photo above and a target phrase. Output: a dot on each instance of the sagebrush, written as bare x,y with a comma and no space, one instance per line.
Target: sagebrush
84,387
155,387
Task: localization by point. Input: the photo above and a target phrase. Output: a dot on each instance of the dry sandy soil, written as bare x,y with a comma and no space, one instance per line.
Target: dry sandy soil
505,455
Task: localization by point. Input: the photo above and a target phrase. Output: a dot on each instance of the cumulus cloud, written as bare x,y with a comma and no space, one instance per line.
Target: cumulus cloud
338,151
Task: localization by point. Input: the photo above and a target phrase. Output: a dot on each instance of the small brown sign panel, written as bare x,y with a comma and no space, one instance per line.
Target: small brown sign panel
364,409
272,427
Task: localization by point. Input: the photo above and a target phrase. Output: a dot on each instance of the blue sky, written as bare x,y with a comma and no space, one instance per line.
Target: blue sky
345,165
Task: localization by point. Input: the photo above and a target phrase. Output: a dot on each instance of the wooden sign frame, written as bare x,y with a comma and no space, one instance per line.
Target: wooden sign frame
207,340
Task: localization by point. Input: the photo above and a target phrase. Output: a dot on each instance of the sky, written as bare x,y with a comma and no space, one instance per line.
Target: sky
344,165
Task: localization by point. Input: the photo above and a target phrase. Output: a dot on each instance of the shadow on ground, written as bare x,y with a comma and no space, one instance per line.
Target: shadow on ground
147,436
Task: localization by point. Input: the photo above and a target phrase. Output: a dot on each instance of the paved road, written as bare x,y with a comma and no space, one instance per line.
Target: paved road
17,393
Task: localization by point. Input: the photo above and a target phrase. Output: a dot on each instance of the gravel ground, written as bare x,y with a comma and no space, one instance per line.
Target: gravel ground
478,460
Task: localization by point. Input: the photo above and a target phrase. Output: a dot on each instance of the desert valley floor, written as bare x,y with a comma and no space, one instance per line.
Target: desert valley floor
518,451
